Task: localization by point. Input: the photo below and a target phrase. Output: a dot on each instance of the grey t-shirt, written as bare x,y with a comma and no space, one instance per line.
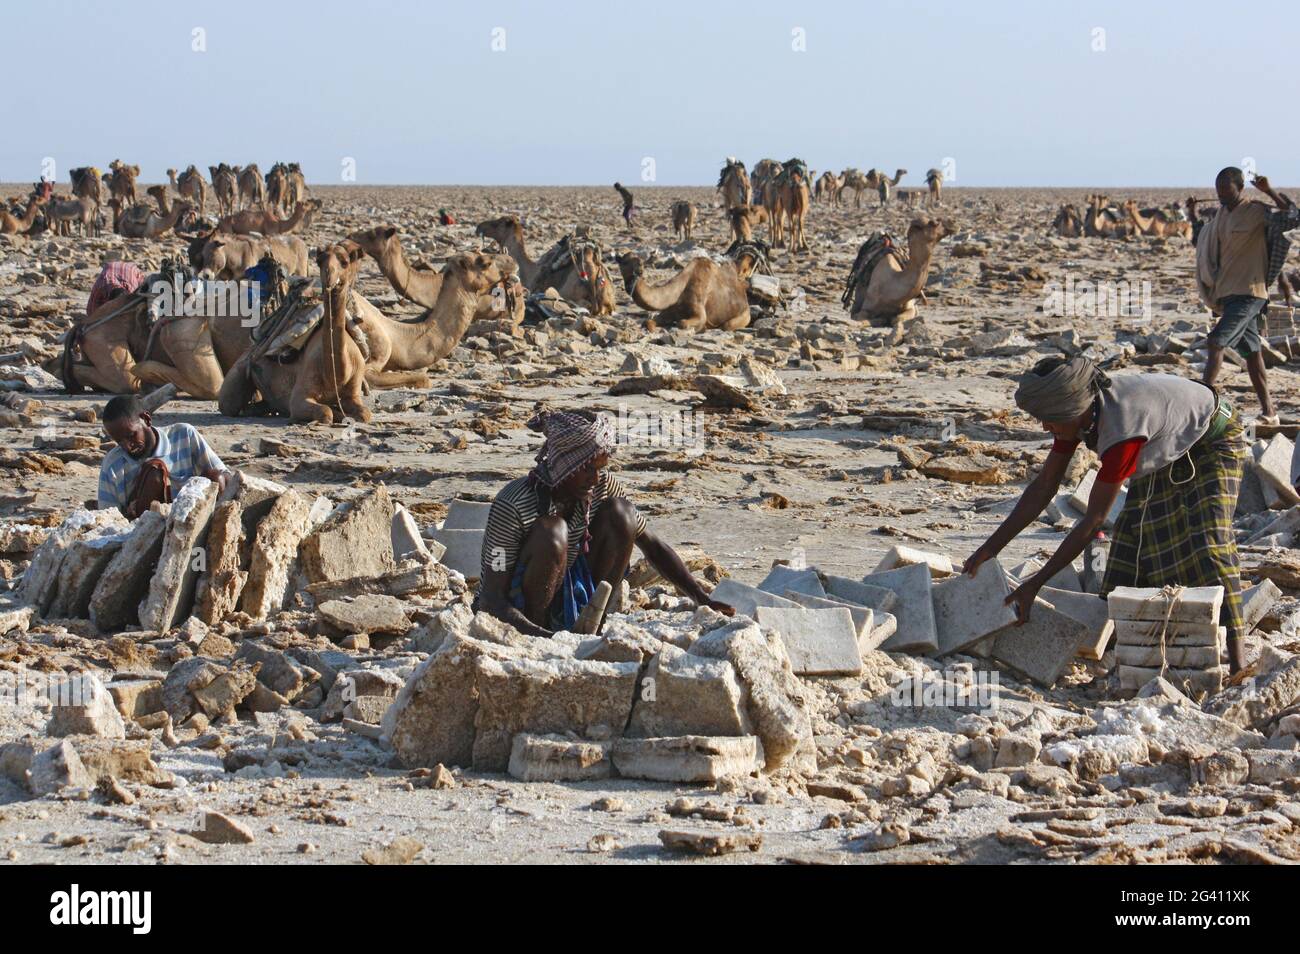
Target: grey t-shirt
1170,412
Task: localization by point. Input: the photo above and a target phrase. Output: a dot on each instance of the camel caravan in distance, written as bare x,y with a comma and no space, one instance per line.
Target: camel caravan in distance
316,347
1100,218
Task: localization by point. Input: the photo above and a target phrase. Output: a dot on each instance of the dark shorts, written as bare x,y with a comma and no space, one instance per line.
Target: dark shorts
1238,325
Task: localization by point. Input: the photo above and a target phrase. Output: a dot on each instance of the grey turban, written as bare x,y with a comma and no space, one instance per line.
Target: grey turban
1056,390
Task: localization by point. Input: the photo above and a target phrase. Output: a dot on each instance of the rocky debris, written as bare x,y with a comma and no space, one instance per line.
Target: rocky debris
82,706
1254,704
710,843
57,768
219,829
368,613
355,540
400,851
361,694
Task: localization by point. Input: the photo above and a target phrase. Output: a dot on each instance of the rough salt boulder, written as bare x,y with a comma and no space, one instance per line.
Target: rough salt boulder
355,540
368,613
199,684
221,583
558,758
274,548
1255,703
592,699
353,685
83,564
40,582
278,671
171,588
82,706
124,583
775,703
685,694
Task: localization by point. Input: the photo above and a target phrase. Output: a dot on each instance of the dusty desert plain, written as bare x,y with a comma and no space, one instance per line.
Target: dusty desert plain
850,446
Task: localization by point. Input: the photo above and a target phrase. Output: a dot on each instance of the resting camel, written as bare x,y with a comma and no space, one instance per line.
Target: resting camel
884,291
113,349
395,351
141,221
934,181
733,183
20,225
423,285
793,185
225,256
743,219
1156,222
572,268
225,184
683,217
1068,222
705,294
1102,221
191,186
61,213
252,188
266,222
122,182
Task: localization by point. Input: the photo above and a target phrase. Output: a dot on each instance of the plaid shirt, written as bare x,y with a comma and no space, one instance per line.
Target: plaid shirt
180,447
1279,222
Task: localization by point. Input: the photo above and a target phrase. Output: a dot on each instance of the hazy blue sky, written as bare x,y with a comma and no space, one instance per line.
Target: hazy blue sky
1012,91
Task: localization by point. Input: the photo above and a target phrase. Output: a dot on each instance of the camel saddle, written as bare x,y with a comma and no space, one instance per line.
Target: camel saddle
283,335
869,255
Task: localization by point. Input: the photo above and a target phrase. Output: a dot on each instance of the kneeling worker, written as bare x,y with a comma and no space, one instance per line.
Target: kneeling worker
150,463
554,535
1182,446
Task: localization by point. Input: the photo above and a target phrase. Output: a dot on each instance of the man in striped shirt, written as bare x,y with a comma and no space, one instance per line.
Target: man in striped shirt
554,535
150,463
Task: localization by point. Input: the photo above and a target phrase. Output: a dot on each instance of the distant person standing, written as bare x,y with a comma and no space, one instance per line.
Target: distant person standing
1239,253
628,207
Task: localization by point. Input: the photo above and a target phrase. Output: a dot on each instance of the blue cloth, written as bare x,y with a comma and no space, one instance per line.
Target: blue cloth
575,592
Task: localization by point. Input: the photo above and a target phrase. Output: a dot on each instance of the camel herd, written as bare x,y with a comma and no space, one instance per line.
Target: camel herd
1102,219
318,346
245,203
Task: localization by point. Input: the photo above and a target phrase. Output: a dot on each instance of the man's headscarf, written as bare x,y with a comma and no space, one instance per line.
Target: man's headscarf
1057,390
571,441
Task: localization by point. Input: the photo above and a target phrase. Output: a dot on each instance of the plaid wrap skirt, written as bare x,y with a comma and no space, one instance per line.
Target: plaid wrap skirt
1176,526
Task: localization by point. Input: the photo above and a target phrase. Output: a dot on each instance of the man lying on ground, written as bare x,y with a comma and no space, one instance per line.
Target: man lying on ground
150,463
554,535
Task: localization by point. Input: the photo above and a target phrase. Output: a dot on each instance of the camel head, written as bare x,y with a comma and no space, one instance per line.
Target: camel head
157,191
338,264
501,230
929,230
312,206
631,268
377,239
481,271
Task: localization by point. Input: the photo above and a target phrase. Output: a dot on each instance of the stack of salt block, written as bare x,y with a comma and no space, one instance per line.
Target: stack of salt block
1186,620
